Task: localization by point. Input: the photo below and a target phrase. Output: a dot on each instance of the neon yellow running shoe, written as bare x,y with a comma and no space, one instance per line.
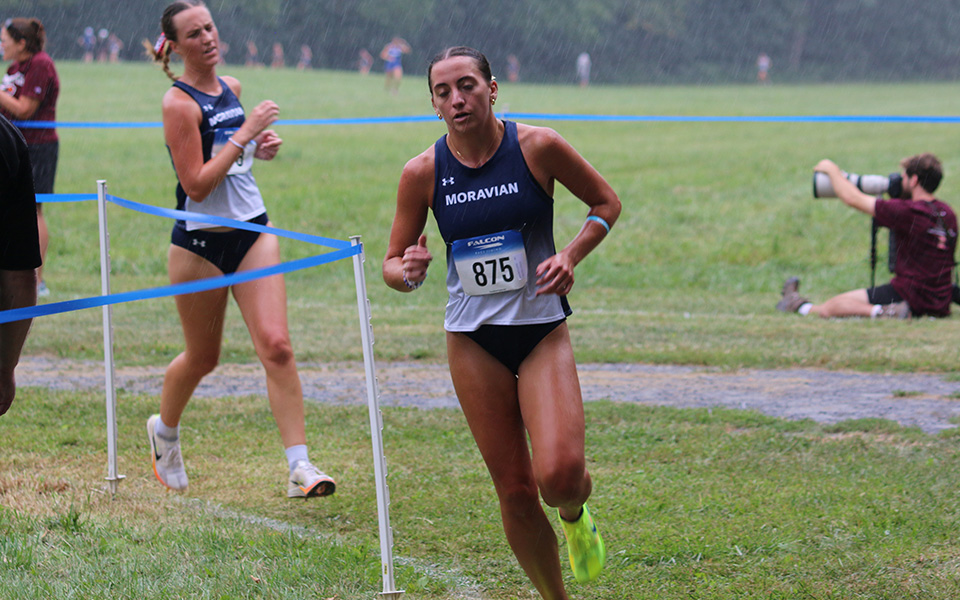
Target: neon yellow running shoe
584,547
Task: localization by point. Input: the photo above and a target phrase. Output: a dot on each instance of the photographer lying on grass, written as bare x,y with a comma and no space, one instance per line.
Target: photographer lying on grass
926,233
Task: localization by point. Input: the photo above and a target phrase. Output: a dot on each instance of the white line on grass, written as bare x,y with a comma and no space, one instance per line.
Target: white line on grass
464,587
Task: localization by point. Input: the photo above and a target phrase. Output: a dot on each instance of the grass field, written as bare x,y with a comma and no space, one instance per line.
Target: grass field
716,216
692,503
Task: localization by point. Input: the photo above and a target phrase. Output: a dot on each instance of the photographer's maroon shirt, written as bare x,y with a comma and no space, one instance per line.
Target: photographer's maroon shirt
926,234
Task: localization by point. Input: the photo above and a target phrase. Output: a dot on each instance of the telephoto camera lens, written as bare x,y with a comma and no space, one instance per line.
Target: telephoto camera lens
868,184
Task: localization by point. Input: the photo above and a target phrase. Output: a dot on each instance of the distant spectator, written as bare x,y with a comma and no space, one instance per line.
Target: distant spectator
365,62
763,67
19,251
513,68
276,61
253,56
114,45
88,41
583,69
29,93
392,54
103,52
306,57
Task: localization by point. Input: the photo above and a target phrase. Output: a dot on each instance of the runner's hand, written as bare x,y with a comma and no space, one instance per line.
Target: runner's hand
416,259
268,144
261,117
555,276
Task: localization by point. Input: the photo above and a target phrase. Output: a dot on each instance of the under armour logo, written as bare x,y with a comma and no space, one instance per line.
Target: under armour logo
201,243
447,181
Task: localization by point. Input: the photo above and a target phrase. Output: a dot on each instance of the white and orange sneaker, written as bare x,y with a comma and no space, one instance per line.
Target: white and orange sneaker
167,461
307,481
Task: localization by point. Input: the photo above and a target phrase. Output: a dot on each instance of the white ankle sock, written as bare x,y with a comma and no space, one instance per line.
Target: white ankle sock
805,308
170,434
295,454
877,309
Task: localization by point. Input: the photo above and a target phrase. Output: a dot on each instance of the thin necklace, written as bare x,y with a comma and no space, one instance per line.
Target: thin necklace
482,160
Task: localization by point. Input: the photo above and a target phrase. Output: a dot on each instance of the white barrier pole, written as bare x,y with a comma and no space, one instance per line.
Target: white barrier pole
112,475
376,428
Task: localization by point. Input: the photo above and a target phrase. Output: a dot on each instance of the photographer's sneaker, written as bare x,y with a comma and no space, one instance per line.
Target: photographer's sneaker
307,481
584,547
897,310
791,300
167,461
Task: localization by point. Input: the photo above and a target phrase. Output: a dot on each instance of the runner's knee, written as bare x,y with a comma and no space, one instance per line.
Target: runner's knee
275,349
562,482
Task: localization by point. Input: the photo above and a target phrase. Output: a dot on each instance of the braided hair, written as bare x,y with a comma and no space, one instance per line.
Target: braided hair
161,50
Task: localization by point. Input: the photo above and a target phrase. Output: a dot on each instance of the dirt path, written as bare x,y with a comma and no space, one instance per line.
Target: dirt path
920,400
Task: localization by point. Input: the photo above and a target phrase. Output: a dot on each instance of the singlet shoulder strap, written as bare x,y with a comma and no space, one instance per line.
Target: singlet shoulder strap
197,94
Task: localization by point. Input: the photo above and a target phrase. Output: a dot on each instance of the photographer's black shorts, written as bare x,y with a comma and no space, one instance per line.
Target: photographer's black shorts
883,294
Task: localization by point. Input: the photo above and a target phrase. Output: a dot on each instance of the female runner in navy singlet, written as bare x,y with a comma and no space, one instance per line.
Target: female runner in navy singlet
490,186
212,144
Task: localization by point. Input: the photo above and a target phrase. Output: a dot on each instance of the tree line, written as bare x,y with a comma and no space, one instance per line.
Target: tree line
629,41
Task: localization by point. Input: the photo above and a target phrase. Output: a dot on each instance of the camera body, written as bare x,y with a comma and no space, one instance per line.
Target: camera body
891,185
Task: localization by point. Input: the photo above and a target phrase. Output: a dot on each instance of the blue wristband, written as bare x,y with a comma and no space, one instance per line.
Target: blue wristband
600,220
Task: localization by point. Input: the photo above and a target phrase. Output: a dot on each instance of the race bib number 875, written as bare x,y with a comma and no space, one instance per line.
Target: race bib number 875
490,264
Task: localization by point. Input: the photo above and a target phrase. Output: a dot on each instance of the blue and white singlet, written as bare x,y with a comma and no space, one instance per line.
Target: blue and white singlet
237,196
497,222
394,57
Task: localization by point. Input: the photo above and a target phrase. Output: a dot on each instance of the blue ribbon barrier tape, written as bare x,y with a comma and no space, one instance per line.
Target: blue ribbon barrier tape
87,125
343,249
742,119
539,116
200,285
224,222
48,198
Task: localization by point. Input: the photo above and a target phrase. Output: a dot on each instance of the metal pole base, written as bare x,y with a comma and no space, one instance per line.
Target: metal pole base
115,483
391,595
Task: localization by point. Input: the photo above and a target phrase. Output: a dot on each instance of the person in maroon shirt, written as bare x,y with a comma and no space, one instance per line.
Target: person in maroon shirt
926,234
29,92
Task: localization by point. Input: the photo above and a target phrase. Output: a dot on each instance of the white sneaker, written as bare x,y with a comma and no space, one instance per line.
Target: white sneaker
167,461
307,481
